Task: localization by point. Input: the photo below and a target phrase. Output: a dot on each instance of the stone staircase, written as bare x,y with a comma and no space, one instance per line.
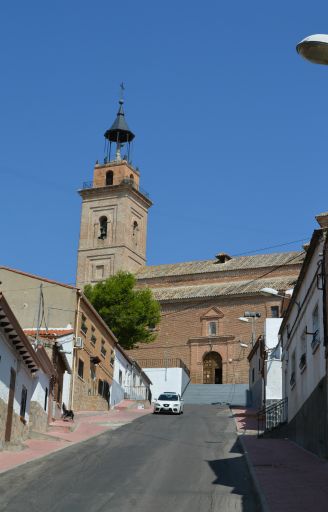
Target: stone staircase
232,394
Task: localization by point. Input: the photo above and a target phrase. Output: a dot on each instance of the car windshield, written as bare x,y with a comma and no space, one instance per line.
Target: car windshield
169,398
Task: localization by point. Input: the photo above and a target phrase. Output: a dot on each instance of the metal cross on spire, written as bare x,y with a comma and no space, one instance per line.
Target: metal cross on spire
122,90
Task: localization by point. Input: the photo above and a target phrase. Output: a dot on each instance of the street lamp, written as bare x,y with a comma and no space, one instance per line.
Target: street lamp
251,316
314,48
275,293
272,292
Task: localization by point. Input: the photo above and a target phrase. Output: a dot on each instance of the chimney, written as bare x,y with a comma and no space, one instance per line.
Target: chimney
322,220
222,257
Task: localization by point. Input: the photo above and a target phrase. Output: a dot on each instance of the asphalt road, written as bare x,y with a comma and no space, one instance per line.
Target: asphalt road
187,463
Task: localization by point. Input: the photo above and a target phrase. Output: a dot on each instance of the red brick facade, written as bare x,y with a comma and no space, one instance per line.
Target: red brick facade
185,331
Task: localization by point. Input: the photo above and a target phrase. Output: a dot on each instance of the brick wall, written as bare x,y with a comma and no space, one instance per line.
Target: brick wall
120,171
181,334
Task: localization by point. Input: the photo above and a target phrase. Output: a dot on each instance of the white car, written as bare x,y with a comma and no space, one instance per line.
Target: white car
168,402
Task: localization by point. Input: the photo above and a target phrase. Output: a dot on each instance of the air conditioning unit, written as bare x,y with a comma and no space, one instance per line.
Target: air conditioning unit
78,343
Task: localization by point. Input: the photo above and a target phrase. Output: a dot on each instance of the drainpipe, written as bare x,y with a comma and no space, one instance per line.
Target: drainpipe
74,350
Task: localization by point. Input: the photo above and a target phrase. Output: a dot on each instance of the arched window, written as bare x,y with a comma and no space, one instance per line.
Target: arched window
102,228
109,177
135,230
132,178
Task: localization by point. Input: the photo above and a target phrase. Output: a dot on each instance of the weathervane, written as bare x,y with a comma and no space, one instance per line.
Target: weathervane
122,91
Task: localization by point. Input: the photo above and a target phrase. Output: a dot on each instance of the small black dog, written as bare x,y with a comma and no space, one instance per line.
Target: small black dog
67,413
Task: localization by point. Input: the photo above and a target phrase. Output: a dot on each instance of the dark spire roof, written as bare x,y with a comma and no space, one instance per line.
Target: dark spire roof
119,131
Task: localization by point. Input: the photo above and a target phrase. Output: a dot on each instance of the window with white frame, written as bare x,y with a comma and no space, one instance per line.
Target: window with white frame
212,328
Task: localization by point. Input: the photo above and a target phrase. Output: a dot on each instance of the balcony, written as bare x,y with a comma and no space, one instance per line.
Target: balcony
126,181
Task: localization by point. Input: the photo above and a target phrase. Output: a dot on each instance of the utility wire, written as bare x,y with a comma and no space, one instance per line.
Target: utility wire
299,253
271,247
246,284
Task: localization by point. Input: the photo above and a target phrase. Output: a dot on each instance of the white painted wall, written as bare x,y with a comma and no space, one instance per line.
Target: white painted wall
307,380
40,384
273,389
273,366
271,329
7,361
166,379
23,377
130,378
117,390
68,346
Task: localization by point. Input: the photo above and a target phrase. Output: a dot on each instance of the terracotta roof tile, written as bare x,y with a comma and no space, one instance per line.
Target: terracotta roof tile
238,263
248,287
49,333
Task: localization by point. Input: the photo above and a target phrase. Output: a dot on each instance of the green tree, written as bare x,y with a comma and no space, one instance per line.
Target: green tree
129,313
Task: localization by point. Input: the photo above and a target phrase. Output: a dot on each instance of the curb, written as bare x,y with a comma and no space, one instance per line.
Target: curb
262,498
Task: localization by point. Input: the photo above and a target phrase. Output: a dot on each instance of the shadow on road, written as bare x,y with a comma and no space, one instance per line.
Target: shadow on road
246,420
232,472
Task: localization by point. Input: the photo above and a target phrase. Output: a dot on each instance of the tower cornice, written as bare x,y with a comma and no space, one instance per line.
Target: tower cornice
100,192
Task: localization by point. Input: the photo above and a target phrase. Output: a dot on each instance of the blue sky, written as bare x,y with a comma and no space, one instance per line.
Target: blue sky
230,123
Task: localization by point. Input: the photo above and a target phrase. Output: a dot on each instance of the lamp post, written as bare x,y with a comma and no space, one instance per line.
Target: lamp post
271,292
251,316
314,48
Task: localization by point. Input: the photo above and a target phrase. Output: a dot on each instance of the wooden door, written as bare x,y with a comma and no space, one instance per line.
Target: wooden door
212,368
10,408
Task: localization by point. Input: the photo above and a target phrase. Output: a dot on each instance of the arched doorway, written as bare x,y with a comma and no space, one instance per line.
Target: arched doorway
212,368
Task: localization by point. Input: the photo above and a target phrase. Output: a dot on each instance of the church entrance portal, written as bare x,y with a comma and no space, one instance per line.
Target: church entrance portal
212,368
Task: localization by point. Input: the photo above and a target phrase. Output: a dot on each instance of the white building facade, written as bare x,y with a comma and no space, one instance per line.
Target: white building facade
129,381
24,379
303,352
273,365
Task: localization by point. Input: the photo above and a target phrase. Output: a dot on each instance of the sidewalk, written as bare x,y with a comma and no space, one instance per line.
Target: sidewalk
62,434
289,478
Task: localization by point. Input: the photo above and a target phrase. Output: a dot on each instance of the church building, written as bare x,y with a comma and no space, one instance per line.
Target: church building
212,310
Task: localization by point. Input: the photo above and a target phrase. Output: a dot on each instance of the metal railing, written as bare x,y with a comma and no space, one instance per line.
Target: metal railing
125,181
132,183
137,393
272,416
174,362
87,184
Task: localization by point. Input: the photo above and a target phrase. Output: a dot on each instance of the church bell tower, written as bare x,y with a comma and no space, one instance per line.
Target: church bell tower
113,228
